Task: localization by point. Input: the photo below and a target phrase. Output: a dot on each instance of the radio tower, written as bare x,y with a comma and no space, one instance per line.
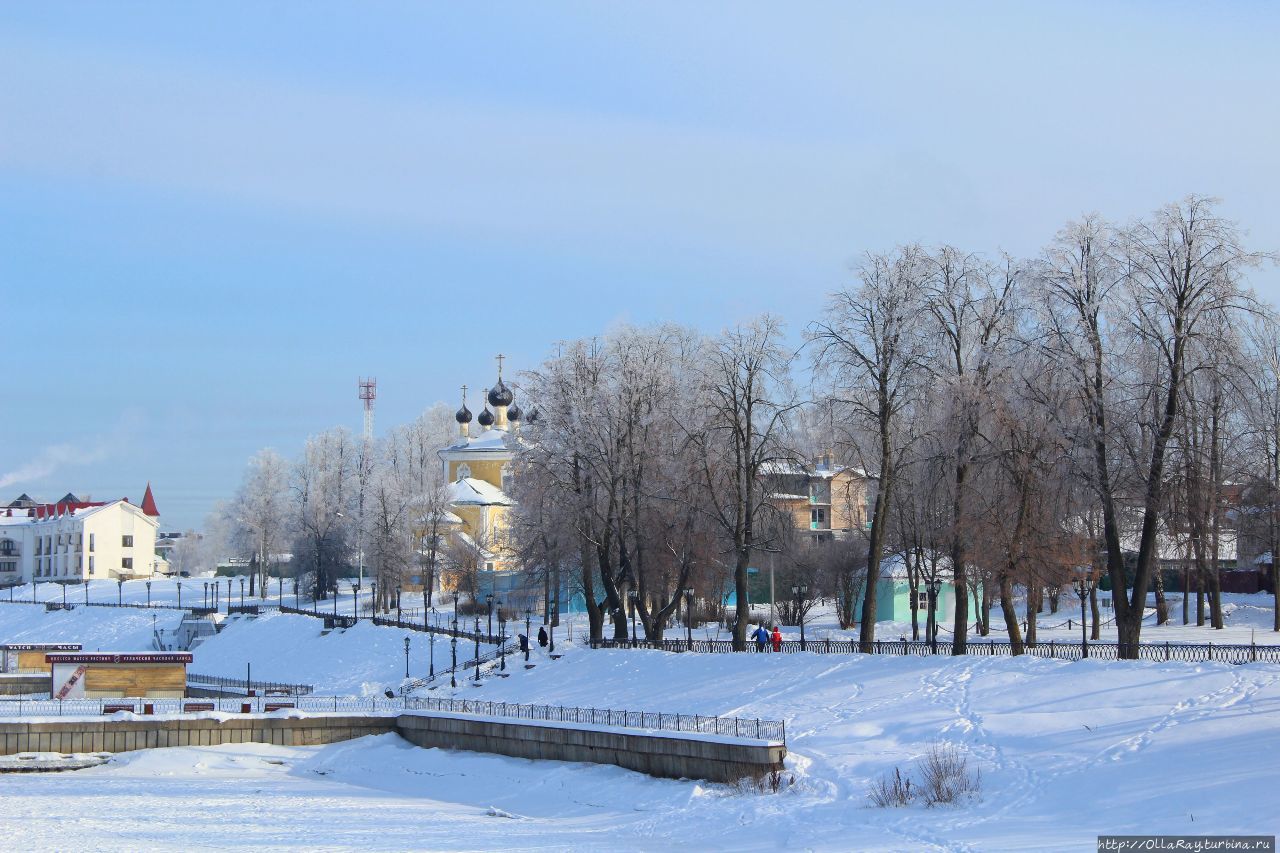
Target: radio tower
368,393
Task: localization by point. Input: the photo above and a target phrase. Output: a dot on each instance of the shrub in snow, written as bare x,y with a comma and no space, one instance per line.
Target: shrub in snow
892,791
944,779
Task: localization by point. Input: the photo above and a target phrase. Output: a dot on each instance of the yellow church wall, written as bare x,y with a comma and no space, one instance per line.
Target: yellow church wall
471,519
488,470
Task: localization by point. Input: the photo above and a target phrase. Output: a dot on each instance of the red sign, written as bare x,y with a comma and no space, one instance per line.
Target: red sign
166,657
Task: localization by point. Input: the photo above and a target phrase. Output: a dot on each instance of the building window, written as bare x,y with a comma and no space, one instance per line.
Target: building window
488,567
91,542
817,518
91,565
126,541
464,471
126,563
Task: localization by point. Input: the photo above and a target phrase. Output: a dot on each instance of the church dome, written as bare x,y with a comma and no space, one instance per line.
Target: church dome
500,394
486,418
463,415
513,413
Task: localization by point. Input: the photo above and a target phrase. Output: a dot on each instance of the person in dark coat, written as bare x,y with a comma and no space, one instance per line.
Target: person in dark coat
524,643
542,636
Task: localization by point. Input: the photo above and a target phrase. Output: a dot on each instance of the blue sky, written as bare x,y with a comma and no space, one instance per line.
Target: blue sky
215,217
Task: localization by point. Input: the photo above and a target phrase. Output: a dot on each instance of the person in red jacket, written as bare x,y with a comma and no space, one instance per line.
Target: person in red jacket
777,639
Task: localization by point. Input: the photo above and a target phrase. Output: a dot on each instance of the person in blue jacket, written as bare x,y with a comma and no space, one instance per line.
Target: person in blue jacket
761,636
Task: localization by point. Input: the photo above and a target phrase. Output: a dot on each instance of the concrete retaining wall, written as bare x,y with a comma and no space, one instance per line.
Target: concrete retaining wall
658,755
125,735
668,756
23,684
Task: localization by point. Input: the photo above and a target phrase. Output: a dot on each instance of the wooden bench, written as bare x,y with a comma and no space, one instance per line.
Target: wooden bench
111,709
190,707
277,706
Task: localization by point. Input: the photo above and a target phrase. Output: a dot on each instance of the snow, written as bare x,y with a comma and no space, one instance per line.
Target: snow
1066,751
1179,743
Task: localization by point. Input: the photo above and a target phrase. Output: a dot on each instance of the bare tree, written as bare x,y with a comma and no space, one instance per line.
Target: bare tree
867,346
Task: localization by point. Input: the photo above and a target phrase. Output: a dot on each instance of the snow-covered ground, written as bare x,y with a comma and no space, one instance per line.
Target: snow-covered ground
1065,750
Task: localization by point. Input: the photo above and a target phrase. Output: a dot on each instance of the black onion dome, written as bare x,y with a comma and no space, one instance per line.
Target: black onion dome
486,418
513,413
463,415
500,394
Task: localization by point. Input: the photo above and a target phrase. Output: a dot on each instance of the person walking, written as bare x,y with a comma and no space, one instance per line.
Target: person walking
542,636
777,639
761,636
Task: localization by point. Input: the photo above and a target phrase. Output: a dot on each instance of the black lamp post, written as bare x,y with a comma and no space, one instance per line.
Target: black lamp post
800,592
241,592
633,598
432,642
453,670
399,616
206,593
488,603
179,594
502,638
148,593
86,593
406,657
355,600
119,590
296,605
551,629
688,617
373,588
228,595
931,623
528,624
64,596
1083,584
280,586
477,650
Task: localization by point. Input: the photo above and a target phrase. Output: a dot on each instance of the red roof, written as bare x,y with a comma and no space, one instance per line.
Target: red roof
149,503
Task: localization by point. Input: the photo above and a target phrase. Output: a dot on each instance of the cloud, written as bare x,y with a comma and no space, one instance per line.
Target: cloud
55,457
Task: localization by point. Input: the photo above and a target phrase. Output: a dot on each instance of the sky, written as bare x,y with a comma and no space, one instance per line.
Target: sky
216,217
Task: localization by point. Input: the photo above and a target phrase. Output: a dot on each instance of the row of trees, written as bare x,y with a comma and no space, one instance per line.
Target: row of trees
344,503
1114,396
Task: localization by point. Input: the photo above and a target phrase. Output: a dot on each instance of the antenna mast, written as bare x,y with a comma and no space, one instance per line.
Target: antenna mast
368,393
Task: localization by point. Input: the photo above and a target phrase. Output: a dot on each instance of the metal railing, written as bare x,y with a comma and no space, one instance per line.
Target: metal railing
488,639
511,650
739,727
1056,649
331,620
249,684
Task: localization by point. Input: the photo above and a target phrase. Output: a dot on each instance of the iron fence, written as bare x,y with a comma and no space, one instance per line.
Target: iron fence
1056,649
405,624
331,620
739,727
249,684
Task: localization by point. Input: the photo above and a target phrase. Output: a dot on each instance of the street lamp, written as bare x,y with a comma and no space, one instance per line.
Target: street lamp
688,617
228,595
179,595
453,670
432,641
551,632
296,605
406,657
477,649
206,593
488,603
931,623
800,592
119,590
241,592
373,589
148,593
502,638
633,598
355,599
86,592
1084,585
528,623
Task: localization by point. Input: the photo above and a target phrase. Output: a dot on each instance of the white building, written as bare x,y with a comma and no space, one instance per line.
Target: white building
72,540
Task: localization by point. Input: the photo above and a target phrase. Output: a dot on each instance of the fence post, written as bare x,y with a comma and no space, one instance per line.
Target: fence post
1052,653
1166,650
1211,650
1253,652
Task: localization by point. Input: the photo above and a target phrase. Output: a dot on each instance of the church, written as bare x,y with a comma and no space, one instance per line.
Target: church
476,466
